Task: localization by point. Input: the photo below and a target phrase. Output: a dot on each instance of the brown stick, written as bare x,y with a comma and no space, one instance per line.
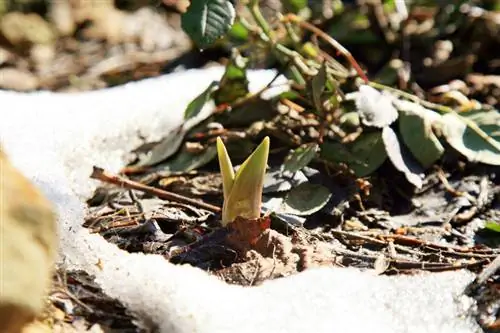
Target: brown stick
100,174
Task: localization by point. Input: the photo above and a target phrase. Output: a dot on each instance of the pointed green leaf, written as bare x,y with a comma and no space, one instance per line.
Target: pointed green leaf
245,197
226,168
197,104
318,84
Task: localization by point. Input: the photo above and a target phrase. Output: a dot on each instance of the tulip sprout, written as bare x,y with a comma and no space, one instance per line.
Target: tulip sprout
243,189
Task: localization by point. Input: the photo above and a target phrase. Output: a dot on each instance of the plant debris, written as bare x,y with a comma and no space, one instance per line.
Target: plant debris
384,128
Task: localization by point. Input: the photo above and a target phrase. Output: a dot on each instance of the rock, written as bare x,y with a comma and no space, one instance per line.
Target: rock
28,243
16,79
42,55
26,29
61,15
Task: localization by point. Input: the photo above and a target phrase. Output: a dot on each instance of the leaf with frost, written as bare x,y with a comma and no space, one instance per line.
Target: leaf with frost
375,109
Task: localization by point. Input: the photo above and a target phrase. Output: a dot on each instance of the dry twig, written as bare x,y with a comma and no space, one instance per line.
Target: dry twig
100,174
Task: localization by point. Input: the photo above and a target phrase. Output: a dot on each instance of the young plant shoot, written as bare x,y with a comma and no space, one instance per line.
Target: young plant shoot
243,190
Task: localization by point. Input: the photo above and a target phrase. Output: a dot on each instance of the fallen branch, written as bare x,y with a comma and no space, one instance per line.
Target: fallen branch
100,174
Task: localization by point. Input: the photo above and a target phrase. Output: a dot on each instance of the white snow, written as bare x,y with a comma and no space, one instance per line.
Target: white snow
55,139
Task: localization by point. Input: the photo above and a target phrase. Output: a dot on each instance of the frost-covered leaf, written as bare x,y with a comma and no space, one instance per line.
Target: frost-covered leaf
205,21
202,100
363,156
306,199
479,144
415,127
398,158
300,157
375,108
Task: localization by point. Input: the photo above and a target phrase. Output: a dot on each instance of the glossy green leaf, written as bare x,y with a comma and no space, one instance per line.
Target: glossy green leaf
205,21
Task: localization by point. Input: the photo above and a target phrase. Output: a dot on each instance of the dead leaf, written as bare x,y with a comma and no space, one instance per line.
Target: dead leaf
244,233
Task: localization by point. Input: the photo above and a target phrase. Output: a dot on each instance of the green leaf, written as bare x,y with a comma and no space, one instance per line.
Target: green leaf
186,161
474,137
245,195
300,157
488,121
239,31
226,168
295,6
363,156
306,199
164,149
415,127
398,157
493,226
205,21
234,82
197,104
318,83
